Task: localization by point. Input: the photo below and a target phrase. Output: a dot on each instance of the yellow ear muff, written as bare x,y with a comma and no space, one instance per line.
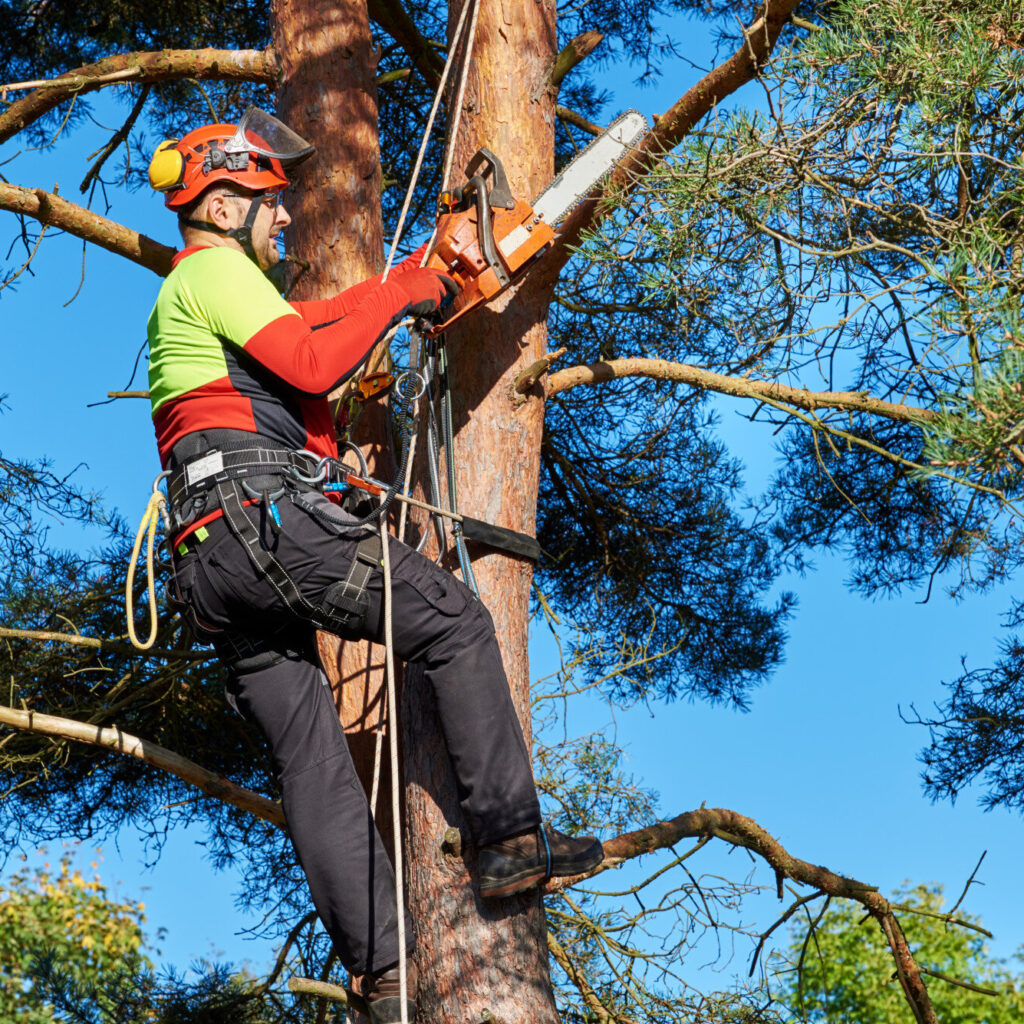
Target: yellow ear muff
167,168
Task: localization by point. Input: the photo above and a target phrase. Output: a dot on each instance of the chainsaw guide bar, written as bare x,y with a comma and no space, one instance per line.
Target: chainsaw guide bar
590,167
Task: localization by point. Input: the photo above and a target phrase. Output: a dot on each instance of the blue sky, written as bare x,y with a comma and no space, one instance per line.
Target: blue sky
822,761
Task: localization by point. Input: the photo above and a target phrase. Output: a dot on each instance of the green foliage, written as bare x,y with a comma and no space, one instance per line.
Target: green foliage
59,914
978,731
842,971
858,231
71,953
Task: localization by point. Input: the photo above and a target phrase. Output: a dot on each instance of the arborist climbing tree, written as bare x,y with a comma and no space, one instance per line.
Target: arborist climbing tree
239,381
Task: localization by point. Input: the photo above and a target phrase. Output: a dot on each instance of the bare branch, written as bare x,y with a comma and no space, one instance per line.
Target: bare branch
153,754
949,918
392,16
959,982
574,53
77,640
69,79
159,66
118,137
575,975
49,208
741,387
571,117
738,830
533,373
969,883
323,989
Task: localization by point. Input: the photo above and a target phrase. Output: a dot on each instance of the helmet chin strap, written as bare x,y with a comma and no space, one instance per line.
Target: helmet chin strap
242,234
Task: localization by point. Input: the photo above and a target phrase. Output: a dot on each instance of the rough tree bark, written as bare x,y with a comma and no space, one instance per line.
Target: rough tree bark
472,956
328,93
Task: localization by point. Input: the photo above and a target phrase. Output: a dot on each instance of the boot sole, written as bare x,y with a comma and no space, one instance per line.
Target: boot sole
510,886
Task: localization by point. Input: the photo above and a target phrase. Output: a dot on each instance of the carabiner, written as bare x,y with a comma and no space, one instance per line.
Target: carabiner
400,380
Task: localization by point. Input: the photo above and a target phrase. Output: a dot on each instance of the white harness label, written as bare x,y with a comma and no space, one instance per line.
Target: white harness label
208,465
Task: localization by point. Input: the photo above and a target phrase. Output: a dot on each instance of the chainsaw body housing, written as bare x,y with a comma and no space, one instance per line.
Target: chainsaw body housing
484,238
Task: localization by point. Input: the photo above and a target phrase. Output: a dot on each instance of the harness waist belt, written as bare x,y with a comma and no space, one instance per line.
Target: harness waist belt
200,474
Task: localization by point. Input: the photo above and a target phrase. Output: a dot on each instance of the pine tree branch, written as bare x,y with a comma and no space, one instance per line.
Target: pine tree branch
160,757
740,387
77,640
575,51
571,117
323,989
759,40
159,66
575,975
738,830
49,208
118,137
392,16
959,983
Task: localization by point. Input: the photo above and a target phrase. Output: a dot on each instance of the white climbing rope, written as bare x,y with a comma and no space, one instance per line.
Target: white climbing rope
456,38
390,713
396,816
449,157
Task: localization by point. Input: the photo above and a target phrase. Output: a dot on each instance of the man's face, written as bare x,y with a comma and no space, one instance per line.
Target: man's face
271,219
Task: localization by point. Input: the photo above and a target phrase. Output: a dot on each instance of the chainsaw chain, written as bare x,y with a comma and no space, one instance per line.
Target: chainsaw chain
584,192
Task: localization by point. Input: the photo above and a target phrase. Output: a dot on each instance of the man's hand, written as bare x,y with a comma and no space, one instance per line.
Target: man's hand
427,289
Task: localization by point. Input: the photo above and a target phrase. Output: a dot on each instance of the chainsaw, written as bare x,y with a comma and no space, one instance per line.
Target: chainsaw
486,238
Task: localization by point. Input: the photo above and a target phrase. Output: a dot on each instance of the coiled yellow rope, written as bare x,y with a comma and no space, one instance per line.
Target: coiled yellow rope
150,518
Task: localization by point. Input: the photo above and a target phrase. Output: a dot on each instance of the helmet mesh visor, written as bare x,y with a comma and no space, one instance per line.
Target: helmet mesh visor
259,132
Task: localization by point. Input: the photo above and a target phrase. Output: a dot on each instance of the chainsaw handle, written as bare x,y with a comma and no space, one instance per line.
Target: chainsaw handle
500,194
485,228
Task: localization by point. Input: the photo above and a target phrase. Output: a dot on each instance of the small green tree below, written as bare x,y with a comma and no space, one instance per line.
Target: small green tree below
841,972
59,916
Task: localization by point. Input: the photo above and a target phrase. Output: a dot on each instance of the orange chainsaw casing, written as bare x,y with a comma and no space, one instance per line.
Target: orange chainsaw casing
519,236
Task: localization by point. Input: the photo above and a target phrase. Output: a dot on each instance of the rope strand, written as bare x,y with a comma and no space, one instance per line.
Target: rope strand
409,447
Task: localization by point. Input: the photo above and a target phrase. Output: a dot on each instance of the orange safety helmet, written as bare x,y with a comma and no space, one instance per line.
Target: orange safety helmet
252,154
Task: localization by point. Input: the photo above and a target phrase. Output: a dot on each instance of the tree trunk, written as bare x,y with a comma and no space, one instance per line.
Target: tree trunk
474,956
328,94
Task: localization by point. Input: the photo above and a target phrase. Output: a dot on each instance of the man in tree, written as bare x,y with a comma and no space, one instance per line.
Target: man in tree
238,381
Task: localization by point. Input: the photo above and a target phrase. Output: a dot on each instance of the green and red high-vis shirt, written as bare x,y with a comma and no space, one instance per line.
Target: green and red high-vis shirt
227,351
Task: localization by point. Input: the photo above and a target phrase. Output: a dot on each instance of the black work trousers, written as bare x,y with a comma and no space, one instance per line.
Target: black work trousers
436,622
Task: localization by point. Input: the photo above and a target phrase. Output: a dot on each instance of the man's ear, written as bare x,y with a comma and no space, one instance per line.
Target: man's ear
218,211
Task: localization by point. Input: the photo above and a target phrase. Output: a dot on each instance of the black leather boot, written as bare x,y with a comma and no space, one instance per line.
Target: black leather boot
527,858
382,993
